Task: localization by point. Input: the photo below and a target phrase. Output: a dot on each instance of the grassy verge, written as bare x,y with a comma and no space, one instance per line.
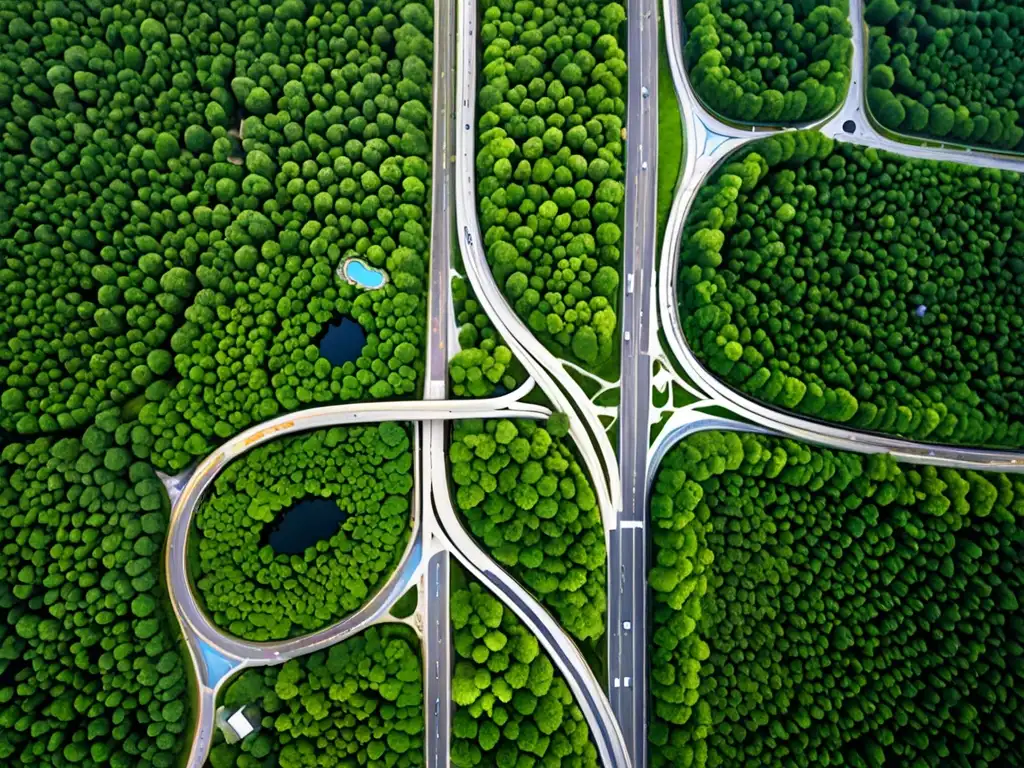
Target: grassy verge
670,136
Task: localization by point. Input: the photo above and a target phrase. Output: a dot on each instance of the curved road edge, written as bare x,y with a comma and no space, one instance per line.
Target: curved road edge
197,627
699,164
538,361
563,651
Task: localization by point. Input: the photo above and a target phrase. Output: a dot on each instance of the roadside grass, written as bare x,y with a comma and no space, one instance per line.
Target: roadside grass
670,137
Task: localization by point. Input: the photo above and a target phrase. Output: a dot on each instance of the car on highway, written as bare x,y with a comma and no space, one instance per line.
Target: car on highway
644,92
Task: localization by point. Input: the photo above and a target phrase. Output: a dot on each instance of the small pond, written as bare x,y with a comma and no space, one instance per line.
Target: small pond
361,274
311,520
342,342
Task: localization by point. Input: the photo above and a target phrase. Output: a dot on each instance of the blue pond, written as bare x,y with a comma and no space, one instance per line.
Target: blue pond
302,526
342,341
366,277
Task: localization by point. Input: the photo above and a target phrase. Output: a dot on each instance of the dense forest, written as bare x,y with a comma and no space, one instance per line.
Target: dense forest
483,363
511,707
91,671
551,167
255,593
530,504
769,61
820,608
948,70
862,287
358,703
180,183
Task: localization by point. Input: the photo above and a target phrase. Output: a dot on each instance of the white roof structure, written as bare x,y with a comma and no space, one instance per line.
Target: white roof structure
240,724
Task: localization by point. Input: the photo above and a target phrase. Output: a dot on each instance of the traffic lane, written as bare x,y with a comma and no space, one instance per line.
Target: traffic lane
438,660
627,660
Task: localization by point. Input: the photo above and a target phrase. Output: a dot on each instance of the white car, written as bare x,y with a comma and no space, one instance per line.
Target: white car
627,626
643,166
625,682
644,92
627,336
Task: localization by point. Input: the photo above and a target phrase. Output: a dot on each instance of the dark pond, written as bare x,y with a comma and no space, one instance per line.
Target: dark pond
302,526
342,341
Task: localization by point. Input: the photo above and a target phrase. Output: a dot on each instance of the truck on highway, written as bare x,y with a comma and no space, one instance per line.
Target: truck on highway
629,283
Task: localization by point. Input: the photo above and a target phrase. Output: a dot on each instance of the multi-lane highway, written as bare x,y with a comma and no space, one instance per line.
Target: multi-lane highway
627,564
708,142
441,215
435,584
437,657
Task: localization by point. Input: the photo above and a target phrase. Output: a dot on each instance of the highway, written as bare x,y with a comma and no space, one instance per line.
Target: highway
434,594
565,394
437,655
627,563
442,178
708,143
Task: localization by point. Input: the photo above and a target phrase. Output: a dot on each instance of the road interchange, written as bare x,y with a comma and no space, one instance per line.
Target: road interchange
618,721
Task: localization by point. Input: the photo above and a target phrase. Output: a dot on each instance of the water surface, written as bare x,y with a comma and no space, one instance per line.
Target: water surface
363,275
342,342
303,525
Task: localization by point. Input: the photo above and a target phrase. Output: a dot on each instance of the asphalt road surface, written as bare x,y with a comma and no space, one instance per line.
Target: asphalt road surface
627,577
437,640
436,627
441,195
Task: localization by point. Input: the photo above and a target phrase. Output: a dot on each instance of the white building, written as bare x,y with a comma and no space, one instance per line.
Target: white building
235,727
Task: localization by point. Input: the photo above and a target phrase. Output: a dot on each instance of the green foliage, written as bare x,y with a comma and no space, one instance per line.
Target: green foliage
133,225
670,138
550,166
405,606
531,505
484,363
862,287
91,672
511,707
254,593
949,70
350,705
817,608
769,62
